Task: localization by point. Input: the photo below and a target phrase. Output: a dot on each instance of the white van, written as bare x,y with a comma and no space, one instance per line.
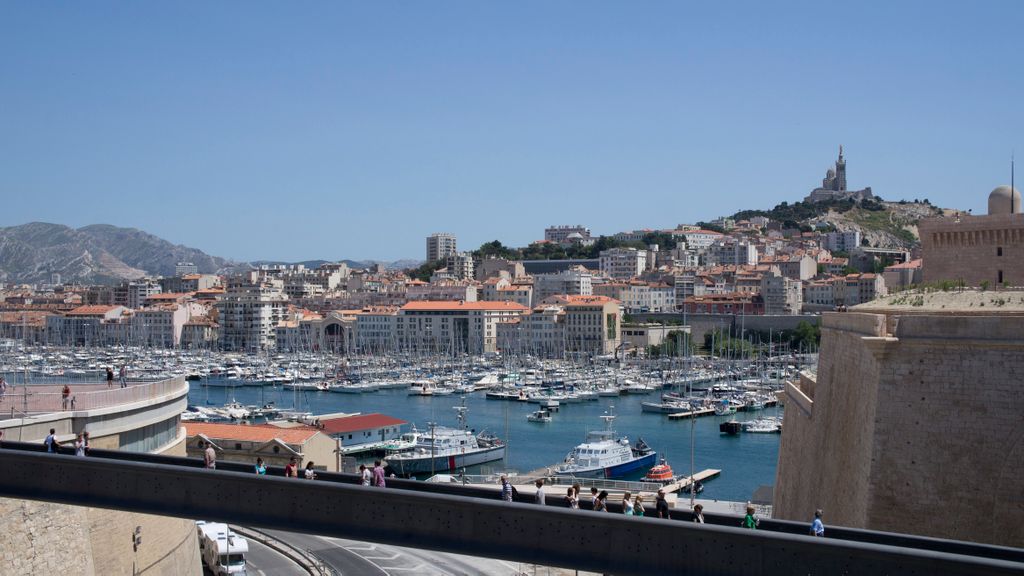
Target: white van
223,551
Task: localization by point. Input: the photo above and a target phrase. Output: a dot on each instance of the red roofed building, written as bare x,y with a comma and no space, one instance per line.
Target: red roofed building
241,443
363,432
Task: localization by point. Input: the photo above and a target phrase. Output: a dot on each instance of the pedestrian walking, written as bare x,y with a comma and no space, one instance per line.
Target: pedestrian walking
51,443
65,393
576,492
365,476
538,496
698,514
210,456
601,502
661,505
261,469
817,528
506,489
122,375
627,504
378,474
3,388
572,500
291,470
593,498
80,445
750,521
110,377
310,473
638,505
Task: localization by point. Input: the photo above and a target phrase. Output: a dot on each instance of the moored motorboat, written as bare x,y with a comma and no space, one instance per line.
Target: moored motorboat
605,456
662,472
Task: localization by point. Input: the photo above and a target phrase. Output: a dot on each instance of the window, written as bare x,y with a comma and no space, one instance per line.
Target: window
238,446
1000,280
999,251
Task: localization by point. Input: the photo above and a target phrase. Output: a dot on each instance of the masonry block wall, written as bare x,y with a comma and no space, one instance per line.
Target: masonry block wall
44,538
915,431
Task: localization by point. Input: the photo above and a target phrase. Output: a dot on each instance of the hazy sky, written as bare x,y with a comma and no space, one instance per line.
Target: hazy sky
352,130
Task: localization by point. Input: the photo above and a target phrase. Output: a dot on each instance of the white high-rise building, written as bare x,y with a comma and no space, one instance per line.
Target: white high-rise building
250,311
440,246
183,268
623,263
577,280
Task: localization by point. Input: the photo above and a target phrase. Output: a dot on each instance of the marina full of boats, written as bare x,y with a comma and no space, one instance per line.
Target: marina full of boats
243,388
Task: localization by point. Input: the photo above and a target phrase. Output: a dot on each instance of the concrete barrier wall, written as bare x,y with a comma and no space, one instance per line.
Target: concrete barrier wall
609,543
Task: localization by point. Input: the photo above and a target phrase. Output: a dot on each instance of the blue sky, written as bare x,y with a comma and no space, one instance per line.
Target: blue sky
352,130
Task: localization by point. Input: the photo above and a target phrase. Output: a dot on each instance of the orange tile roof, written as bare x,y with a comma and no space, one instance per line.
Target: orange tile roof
92,310
449,305
261,433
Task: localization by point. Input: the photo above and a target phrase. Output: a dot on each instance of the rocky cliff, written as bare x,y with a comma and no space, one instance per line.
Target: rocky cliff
93,254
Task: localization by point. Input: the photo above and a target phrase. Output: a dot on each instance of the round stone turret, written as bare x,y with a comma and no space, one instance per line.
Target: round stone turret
1004,200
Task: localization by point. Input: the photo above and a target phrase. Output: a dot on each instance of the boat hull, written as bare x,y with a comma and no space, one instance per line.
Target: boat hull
442,463
617,471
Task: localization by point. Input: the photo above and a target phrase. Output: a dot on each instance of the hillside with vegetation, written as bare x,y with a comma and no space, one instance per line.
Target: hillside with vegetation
881,224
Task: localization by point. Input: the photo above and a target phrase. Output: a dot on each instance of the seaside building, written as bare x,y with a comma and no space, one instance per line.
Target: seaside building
245,443
977,249
913,411
83,326
361,432
133,294
440,245
833,186
492,267
250,311
454,326
903,274
592,324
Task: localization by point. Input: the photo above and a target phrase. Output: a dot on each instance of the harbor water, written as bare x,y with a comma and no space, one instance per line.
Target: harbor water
747,461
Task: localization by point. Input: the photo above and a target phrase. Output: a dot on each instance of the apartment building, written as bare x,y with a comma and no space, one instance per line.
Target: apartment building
841,241
455,326
623,263
133,294
250,311
702,239
593,324
731,253
83,326
460,266
375,328
576,280
781,295
440,245
566,234
854,289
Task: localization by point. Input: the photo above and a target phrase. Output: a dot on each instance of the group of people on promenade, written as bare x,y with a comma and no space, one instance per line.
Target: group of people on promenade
634,505
53,445
122,376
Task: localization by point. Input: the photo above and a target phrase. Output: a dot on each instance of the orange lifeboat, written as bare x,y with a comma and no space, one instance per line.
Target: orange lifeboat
662,472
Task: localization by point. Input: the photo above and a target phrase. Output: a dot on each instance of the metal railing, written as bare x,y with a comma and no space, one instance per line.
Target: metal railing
45,398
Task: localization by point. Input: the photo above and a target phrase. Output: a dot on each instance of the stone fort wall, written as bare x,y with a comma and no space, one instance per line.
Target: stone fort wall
974,248
916,428
45,538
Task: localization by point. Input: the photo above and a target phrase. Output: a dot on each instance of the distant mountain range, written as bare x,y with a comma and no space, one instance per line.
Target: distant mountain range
105,254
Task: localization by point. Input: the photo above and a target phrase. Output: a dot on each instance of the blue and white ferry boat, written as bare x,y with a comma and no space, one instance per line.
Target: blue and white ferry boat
605,456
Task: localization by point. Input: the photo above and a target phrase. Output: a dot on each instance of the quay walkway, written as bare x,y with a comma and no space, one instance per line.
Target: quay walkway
470,520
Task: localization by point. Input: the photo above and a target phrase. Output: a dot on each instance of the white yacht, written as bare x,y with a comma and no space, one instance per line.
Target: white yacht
442,448
604,456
